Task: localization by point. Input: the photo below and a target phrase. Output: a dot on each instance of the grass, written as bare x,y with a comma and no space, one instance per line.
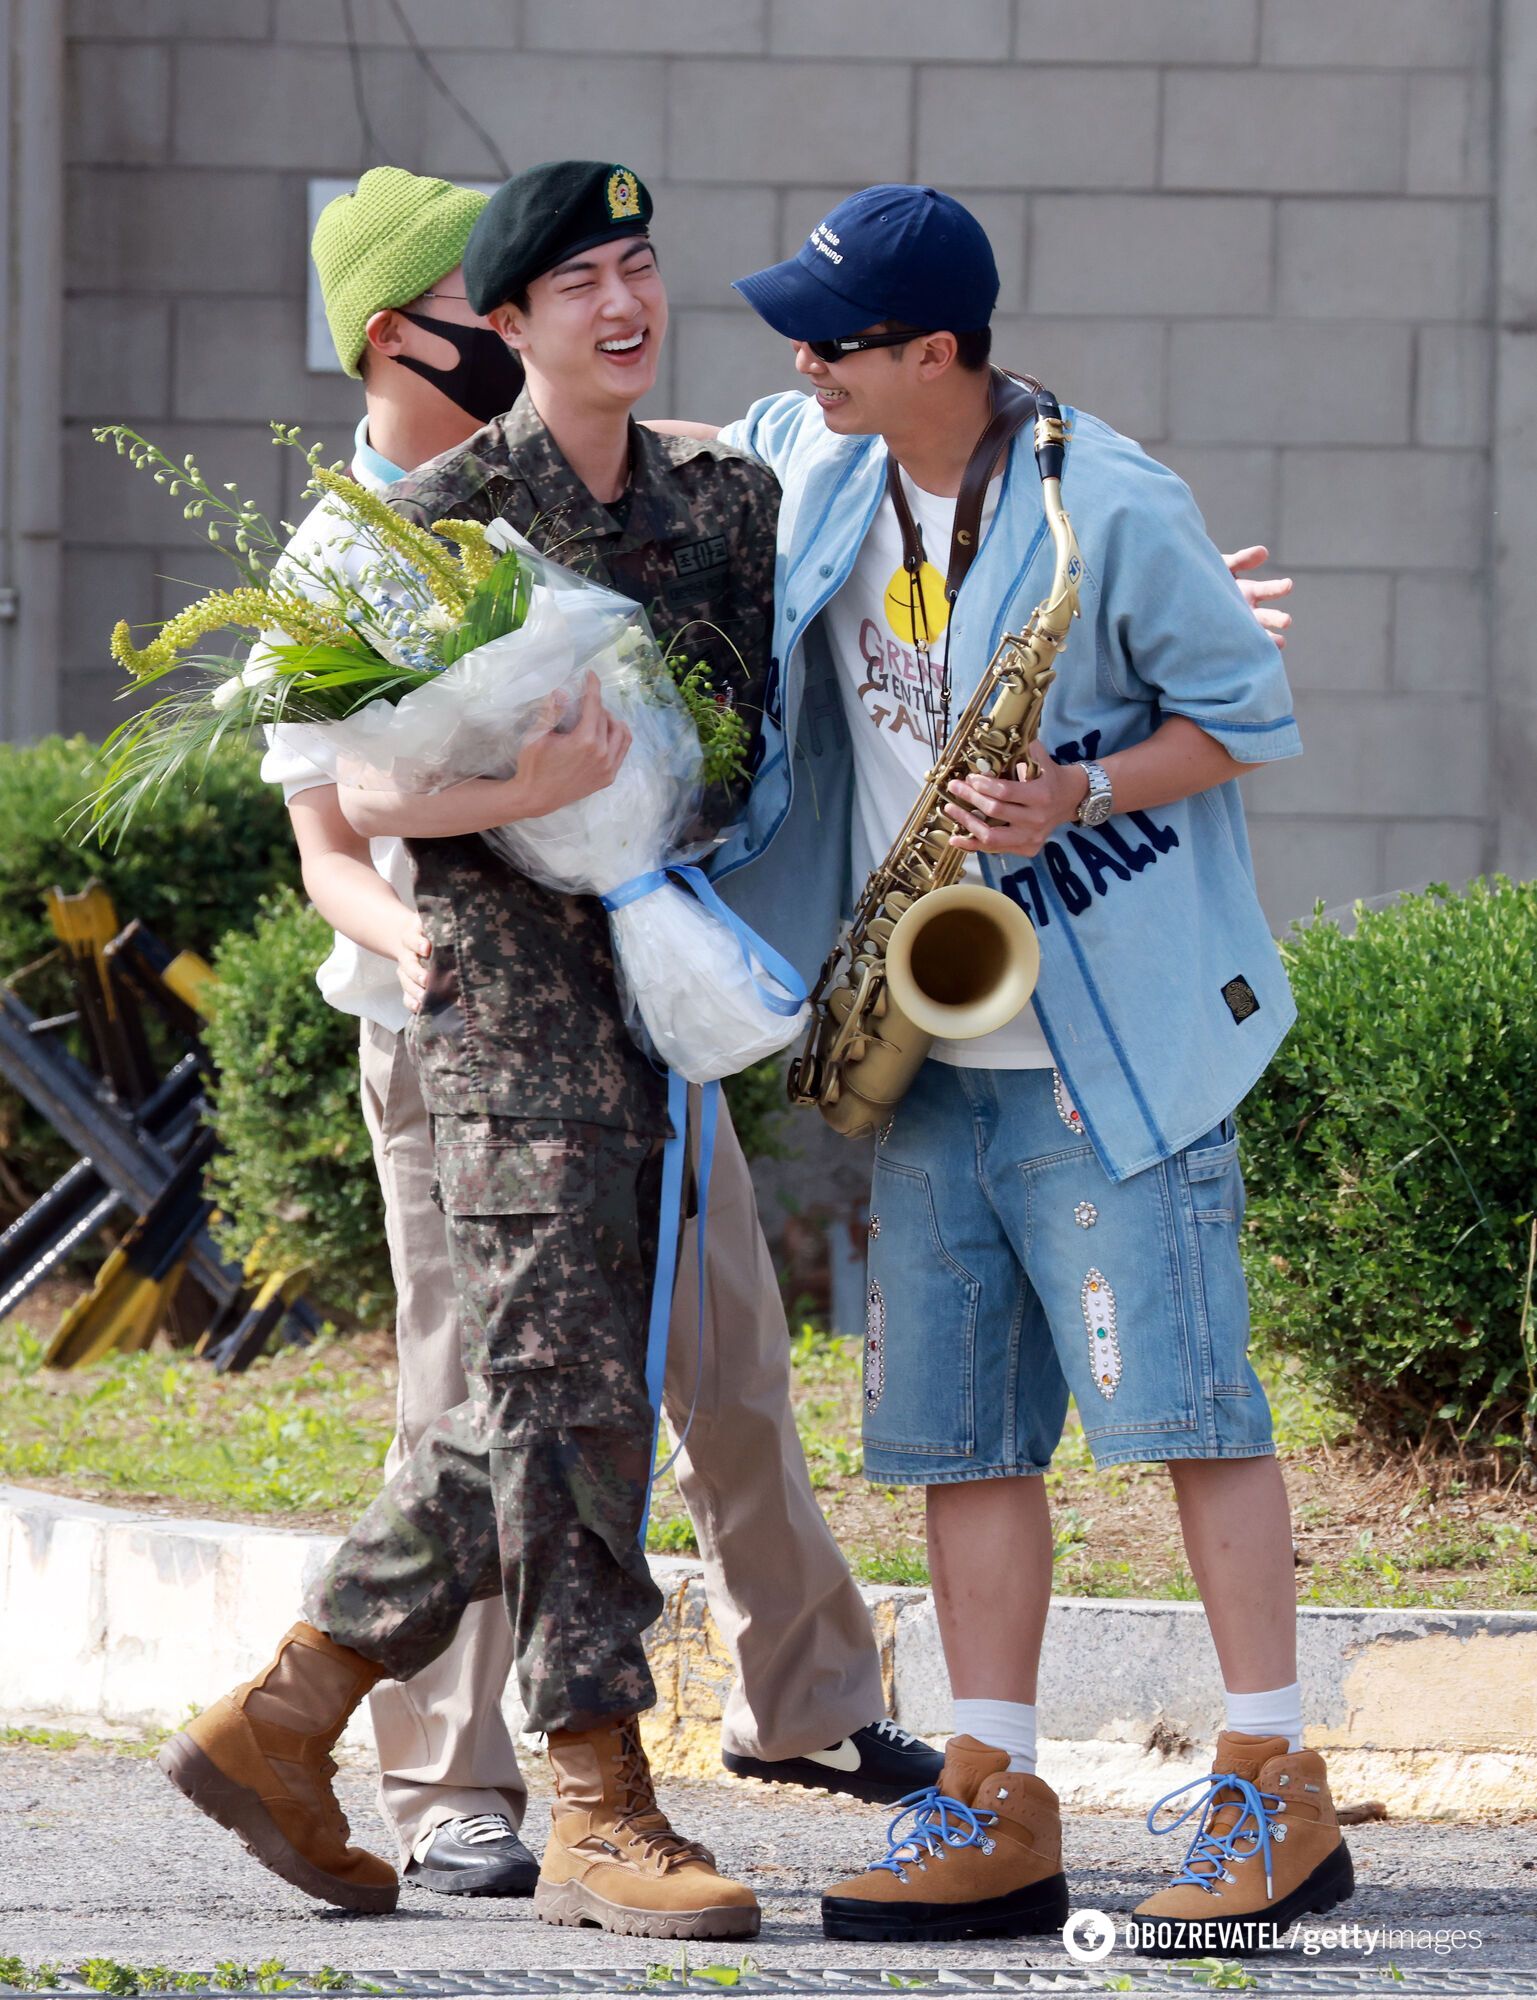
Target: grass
300,1439
300,1436
22,1737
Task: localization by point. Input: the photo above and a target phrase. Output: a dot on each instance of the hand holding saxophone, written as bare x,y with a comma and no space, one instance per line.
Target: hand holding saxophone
925,954
1016,815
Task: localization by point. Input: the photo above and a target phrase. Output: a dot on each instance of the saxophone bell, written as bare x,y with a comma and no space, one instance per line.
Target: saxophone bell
962,962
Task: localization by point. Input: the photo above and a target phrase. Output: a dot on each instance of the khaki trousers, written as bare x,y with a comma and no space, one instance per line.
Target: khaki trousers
807,1667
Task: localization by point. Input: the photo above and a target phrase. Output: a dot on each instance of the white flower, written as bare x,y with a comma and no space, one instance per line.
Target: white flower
440,619
227,691
258,676
379,636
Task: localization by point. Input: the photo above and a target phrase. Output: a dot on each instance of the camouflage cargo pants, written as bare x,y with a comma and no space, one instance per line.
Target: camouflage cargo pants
535,1486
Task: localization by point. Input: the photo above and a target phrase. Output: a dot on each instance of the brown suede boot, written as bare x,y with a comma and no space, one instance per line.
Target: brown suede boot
613,1860
259,1763
978,1856
1268,1851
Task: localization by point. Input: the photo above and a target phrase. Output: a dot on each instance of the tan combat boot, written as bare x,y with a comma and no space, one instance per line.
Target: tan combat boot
613,1860
259,1762
1268,1851
980,1856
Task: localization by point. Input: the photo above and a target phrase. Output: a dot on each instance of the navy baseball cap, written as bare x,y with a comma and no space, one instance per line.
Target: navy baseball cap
908,254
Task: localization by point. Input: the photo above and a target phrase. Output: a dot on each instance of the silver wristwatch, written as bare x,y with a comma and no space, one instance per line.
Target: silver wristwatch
1098,804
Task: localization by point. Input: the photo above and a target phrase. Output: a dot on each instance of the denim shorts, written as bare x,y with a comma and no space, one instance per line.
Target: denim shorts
1007,1271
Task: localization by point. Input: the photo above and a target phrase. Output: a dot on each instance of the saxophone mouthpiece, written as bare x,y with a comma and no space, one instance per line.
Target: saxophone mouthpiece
1050,435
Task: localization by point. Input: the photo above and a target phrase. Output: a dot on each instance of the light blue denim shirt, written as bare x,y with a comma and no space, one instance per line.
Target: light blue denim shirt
1161,991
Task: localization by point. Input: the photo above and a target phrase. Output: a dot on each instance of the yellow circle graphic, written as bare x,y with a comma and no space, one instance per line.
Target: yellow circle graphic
917,609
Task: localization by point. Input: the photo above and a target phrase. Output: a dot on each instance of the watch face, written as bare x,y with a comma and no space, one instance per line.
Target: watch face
1096,808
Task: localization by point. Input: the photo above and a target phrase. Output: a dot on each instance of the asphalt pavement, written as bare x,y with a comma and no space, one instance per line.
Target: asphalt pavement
99,1857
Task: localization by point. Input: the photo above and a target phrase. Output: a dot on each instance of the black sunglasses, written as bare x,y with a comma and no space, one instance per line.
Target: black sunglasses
834,350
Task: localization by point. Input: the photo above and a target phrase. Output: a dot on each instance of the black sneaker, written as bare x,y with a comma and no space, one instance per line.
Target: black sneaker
880,1763
478,1856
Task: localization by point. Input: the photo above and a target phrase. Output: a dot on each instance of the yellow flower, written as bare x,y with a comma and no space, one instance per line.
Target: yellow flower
475,552
296,615
444,577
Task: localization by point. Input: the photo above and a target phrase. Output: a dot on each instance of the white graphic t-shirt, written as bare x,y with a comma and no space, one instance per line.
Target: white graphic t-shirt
892,706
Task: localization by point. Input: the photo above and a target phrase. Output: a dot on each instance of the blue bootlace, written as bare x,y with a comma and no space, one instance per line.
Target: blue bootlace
937,1821
1212,1852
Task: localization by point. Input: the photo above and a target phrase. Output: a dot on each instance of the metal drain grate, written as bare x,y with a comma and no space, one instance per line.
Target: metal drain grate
1304,1981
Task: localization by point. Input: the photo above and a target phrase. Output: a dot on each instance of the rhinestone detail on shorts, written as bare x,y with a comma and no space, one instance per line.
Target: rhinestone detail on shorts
875,1344
1104,1341
1067,1110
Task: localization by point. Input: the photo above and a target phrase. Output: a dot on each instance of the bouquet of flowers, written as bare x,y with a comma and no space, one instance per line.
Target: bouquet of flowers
426,659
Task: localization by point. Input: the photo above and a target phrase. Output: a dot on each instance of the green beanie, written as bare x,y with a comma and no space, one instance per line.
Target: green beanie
385,244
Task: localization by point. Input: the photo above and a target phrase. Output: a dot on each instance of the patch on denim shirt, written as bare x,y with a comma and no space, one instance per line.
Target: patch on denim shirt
875,1345
1240,998
1104,1343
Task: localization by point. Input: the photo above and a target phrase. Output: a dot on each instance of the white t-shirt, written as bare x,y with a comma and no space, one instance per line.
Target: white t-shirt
888,702
353,980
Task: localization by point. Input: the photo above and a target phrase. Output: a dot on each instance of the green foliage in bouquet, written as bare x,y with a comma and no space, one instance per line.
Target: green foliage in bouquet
1392,1172
499,606
195,868
295,1173
721,726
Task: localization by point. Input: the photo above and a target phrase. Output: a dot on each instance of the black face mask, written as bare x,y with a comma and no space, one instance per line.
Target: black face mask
488,376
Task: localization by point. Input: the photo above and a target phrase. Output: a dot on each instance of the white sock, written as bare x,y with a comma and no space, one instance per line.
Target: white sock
1276,1712
1006,1725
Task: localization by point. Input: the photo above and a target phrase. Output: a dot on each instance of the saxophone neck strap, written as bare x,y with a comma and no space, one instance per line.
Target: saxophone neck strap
1014,404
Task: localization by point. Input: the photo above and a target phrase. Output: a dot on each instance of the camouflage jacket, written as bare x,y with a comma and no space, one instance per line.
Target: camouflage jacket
692,542
522,1017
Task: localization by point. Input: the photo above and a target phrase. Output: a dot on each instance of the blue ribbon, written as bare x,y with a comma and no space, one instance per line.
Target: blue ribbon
748,941
676,1151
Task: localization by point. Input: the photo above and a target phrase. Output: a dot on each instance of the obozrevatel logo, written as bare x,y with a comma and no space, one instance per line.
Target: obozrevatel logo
1088,1936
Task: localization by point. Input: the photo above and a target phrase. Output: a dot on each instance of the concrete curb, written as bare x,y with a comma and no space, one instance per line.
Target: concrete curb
112,1620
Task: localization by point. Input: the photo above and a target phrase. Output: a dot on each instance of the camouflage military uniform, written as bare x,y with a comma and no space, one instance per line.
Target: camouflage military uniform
548,1125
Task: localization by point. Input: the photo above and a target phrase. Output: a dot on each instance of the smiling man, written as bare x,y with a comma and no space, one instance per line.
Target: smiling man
1057,1207
546,1124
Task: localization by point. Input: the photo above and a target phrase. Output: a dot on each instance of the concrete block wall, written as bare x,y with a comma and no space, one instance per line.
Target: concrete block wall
1259,235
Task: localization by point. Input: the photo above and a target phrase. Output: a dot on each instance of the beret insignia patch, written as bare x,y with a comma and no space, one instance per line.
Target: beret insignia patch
623,192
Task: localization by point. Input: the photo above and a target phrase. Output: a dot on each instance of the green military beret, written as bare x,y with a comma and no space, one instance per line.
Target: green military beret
544,215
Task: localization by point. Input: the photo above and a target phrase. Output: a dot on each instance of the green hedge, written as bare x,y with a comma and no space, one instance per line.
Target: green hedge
295,1170
1391,1159
194,866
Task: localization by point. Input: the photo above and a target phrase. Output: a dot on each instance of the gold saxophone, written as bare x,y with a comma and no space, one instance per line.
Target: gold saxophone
928,956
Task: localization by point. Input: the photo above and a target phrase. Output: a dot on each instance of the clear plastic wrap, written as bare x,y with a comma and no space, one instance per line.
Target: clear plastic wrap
695,990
